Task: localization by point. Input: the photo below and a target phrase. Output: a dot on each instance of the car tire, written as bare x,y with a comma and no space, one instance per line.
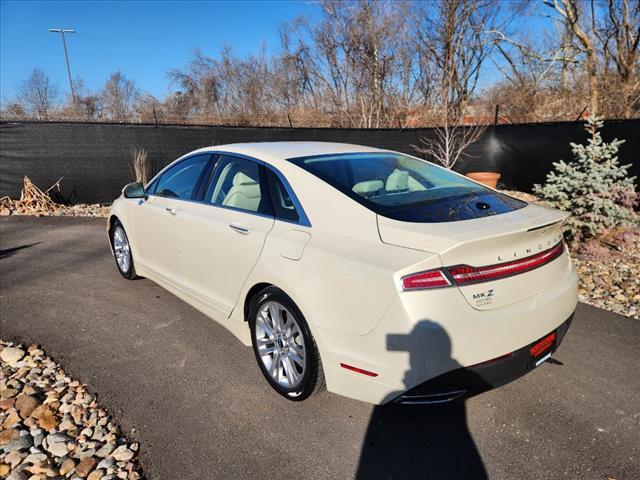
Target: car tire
122,251
283,345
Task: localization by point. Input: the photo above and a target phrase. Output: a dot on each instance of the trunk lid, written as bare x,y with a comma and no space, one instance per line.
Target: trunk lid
489,241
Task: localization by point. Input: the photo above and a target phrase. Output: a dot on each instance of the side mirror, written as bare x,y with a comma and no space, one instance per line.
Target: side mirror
133,190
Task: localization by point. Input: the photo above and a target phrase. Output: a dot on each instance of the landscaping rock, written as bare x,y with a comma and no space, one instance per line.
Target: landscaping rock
85,467
7,393
23,442
35,458
122,454
67,466
46,418
16,475
7,403
37,435
106,463
11,355
56,444
105,450
51,427
26,404
8,435
12,419
14,458
96,475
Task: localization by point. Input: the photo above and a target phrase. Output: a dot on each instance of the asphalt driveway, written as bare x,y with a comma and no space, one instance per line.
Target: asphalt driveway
195,399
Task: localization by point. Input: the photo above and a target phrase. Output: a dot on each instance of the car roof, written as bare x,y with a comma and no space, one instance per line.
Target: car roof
285,150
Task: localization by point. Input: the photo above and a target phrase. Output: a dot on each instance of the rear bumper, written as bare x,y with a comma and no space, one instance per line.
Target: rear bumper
426,334
469,381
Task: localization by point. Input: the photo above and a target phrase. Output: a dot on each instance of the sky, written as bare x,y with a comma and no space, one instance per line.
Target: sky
142,39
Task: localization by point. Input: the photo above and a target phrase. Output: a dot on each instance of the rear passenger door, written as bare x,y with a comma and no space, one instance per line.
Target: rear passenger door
223,234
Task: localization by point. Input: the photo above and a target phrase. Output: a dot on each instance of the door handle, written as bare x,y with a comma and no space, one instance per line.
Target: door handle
172,211
240,228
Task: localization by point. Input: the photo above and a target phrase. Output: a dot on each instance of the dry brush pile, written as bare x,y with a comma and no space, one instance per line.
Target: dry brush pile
51,427
36,202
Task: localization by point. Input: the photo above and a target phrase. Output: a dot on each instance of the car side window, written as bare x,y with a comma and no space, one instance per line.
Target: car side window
180,180
151,188
283,206
239,183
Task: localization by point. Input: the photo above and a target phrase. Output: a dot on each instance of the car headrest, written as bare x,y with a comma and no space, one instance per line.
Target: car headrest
367,188
398,180
242,178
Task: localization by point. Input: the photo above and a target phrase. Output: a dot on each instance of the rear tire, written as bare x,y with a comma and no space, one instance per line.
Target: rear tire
284,346
122,252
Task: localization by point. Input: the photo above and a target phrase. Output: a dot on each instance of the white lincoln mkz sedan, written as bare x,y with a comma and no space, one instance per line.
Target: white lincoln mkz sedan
380,275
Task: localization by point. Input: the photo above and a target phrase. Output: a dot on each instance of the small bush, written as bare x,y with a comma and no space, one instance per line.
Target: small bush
594,188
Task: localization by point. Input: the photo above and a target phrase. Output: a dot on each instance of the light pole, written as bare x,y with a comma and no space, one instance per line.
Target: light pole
62,31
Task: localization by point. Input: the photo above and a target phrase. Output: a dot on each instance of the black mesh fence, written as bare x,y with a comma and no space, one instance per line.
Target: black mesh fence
95,158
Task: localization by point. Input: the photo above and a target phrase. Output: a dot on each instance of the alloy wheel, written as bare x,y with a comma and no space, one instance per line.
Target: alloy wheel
121,249
280,344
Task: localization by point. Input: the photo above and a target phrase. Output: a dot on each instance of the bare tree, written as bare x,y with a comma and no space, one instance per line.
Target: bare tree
618,33
571,12
536,72
449,143
453,40
39,95
118,97
148,108
356,61
87,106
13,110
620,36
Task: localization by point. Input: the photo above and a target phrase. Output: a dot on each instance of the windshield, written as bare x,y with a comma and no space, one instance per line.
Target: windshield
406,188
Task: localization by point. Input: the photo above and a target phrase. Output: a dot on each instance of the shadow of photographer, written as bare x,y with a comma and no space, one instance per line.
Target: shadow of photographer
421,441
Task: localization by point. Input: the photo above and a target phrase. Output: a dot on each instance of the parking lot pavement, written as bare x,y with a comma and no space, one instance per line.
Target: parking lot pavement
201,410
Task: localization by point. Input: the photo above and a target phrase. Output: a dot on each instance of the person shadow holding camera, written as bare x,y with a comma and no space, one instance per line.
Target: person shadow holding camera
421,441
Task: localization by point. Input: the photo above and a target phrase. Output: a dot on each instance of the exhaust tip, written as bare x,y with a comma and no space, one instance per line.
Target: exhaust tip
431,398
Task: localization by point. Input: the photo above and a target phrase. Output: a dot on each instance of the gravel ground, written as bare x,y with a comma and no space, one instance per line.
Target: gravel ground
609,270
52,427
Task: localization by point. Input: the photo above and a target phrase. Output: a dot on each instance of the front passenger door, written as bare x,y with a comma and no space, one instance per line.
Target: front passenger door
223,234
157,220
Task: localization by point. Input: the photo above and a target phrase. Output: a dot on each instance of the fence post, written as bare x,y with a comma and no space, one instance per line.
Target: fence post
579,117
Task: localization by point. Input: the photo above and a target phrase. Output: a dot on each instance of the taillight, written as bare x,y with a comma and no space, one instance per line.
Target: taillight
465,274
430,279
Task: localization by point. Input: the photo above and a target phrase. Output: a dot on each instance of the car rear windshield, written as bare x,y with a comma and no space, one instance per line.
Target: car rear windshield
405,188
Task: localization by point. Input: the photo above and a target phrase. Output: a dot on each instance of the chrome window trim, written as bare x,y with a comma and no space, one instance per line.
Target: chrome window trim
302,221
